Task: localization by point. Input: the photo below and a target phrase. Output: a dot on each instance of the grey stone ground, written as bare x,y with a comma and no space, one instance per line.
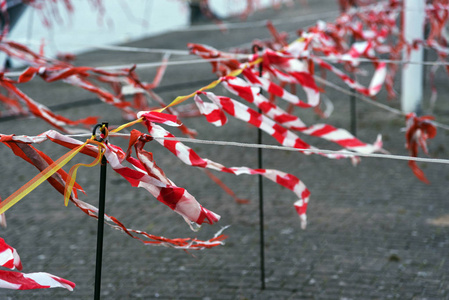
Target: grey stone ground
375,231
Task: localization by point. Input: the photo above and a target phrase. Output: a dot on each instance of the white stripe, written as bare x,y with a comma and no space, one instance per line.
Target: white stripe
8,285
5,256
45,279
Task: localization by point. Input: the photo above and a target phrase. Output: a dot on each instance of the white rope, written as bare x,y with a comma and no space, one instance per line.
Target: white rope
361,97
377,7
160,51
169,63
141,65
139,49
317,78
237,55
372,102
371,60
284,148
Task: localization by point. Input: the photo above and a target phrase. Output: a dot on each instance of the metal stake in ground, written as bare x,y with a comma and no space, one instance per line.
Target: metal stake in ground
353,103
353,109
101,205
256,49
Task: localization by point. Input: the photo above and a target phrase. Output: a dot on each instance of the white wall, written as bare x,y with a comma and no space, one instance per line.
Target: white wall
123,20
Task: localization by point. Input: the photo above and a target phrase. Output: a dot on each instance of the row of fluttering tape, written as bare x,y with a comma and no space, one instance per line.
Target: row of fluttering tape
377,39
377,23
146,174
275,121
275,65
286,66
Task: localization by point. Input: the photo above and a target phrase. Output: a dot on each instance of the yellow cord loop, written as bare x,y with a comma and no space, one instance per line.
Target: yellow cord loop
72,173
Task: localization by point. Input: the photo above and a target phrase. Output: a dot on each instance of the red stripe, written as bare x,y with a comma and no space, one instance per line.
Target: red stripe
325,65
255,117
305,194
19,279
206,216
244,92
275,89
305,79
227,105
351,142
250,76
196,160
322,131
266,106
284,118
170,196
289,181
132,176
171,145
301,210
216,116
158,117
279,133
227,170
300,144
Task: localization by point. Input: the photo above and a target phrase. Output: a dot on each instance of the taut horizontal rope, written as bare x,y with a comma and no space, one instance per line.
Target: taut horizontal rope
372,102
284,148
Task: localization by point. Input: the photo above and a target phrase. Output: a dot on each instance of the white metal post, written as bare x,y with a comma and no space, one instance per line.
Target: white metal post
412,74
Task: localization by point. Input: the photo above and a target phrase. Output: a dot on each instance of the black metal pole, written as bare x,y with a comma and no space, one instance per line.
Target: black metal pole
425,55
100,229
352,99
353,104
261,211
261,214
353,113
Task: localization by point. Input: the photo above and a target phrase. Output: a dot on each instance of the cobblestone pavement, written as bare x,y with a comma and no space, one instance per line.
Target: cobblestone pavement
374,232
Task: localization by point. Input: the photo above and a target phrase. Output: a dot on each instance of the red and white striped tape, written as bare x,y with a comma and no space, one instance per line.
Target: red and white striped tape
342,137
190,157
418,131
189,208
9,258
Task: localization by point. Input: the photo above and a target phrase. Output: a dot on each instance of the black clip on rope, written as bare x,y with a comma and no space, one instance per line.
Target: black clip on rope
103,130
256,49
102,195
